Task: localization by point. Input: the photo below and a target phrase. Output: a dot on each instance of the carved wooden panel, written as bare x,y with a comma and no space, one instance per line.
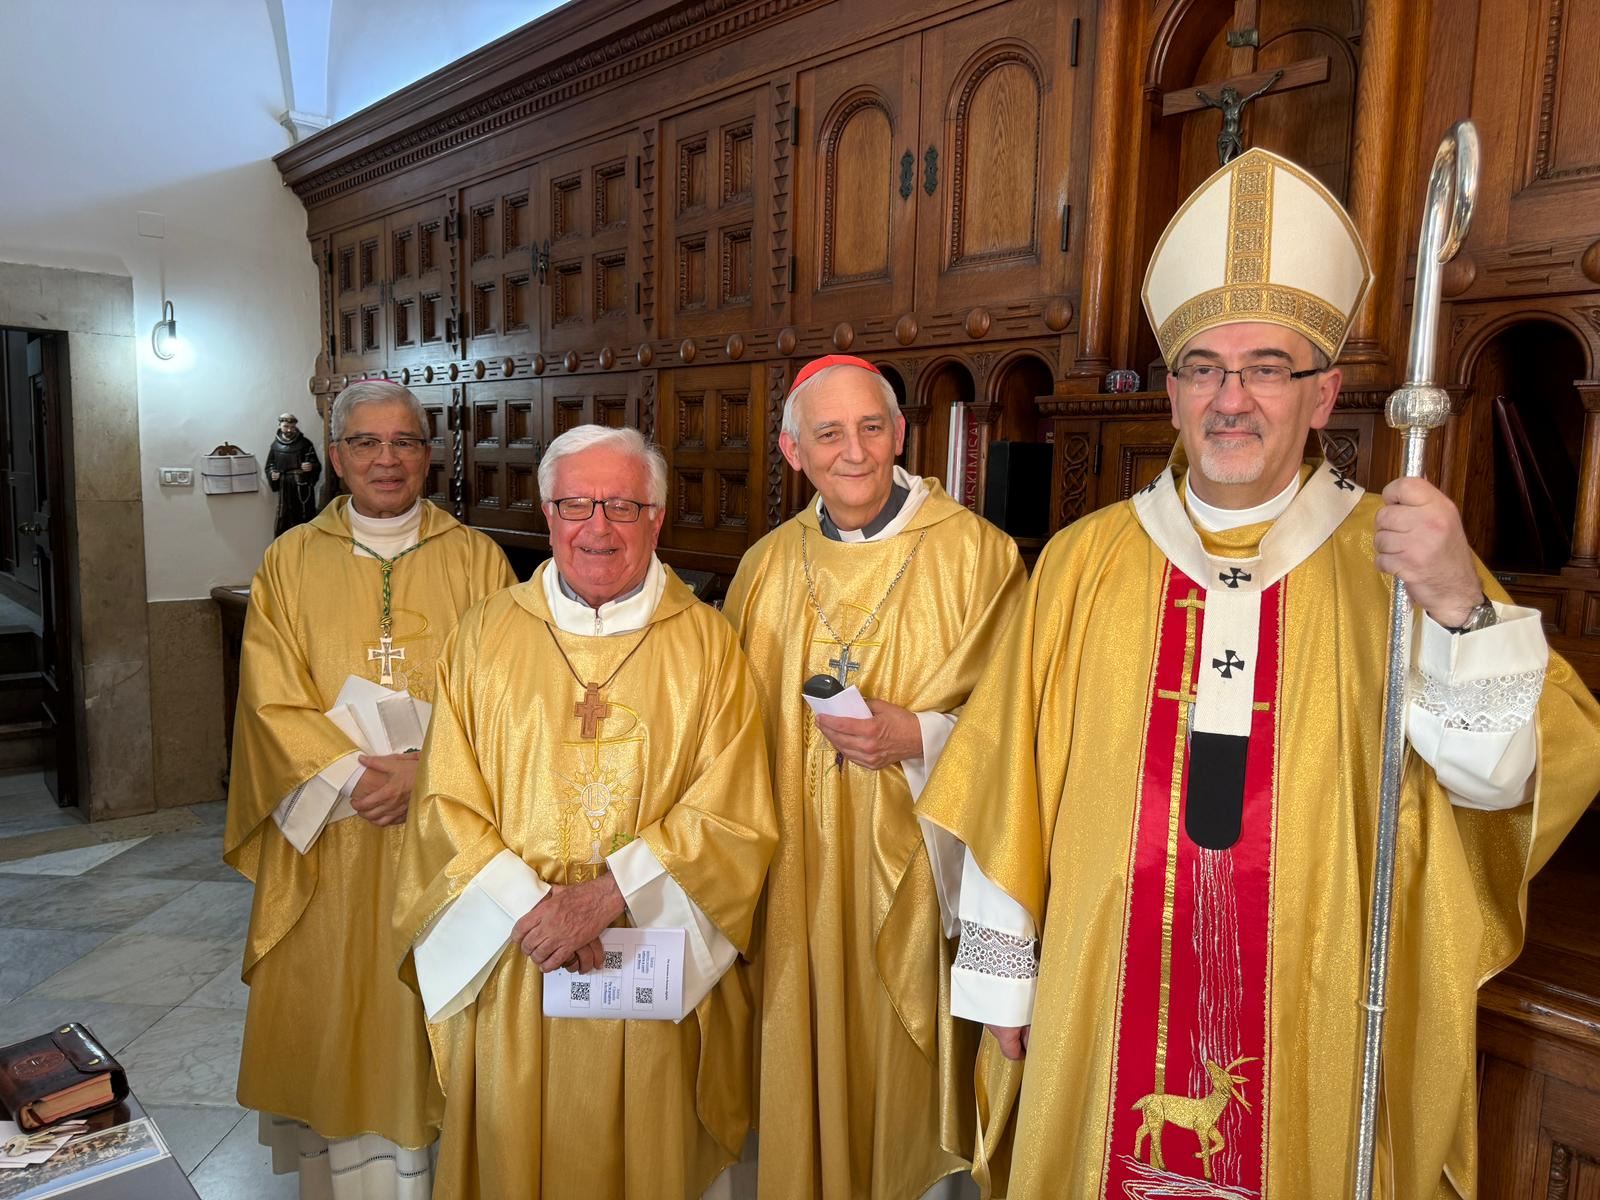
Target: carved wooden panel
588,209
505,437
419,283
496,249
716,191
856,223
996,155
712,428
441,443
359,279
1132,454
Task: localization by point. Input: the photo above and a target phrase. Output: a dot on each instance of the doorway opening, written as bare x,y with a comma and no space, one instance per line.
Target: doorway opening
38,772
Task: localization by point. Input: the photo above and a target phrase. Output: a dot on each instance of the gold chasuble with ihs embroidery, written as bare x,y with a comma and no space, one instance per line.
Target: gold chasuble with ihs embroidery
865,1076
1179,782
332,1038
667,747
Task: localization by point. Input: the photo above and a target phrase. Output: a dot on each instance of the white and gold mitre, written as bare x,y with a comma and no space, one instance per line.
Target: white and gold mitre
1261,240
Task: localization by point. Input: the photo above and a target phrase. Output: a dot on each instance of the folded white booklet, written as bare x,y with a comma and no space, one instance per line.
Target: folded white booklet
378,721
641,979
848,703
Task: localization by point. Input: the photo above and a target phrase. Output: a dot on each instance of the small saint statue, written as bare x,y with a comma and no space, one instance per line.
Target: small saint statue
1230,143
292,471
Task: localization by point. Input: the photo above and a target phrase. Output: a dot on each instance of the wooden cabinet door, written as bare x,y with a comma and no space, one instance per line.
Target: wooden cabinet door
610,400
439,405
1132,453
588,223
503,426
501,294
855,245
994,157
420,303
711,432
358,284
714,195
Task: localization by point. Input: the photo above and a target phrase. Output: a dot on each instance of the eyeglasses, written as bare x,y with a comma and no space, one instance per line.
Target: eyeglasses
1263,380
617,511
363,448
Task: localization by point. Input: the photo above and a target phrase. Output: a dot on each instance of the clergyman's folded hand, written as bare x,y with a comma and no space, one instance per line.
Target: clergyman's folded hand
383,793
566,924
1013,1040
892,734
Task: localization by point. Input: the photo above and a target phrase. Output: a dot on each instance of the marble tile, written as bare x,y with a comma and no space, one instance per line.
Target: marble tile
109,903
19,887
186,701
105,409
114,1024
15,824
226,990
190,1056
213,815
218,912
62,298
30,955
116,699
195,855
25,783
240,1168
139,968
193,1131
71,862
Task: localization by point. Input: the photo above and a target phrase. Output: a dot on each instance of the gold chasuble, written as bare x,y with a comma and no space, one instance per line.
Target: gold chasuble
520,758
332,1038
865,1077
1197,1026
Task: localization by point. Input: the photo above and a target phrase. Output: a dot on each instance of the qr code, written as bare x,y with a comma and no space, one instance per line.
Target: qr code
644,995
580,991
613,960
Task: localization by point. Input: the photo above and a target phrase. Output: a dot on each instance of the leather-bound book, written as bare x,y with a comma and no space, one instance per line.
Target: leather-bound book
64,1073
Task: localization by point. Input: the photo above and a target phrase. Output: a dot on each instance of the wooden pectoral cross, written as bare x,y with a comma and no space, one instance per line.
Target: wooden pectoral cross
386,654
592,709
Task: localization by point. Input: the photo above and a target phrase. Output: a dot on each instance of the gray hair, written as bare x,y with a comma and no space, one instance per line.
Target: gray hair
588,437
791,410
375,391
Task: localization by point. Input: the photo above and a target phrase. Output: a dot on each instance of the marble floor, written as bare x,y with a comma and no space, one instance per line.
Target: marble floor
141,941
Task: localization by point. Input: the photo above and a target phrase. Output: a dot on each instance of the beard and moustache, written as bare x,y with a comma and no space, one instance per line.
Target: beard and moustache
1238,463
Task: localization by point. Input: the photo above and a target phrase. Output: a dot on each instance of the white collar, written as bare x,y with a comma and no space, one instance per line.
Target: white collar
919,493
1217,520
612,618
386,535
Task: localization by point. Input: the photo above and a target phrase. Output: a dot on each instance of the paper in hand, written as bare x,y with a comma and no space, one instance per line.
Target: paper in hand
848,703
641,978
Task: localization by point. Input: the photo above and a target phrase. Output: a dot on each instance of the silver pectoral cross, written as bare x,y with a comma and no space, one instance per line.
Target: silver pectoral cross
386,654
842,666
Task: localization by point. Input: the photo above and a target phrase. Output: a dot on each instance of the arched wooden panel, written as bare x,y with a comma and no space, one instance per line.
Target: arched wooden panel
995,177
857,155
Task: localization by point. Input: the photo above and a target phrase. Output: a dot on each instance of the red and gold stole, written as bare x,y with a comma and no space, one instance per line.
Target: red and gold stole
1191,1064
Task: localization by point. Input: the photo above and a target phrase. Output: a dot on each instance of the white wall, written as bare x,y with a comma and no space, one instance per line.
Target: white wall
376,49
116,106
113,107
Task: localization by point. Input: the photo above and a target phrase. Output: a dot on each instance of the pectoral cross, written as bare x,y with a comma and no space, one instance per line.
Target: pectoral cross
842,666
386,654
592,709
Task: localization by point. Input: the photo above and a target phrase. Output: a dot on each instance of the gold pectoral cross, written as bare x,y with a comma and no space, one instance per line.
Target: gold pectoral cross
592,709
386,654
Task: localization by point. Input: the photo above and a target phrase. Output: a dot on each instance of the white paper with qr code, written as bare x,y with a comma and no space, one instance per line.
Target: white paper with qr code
641,979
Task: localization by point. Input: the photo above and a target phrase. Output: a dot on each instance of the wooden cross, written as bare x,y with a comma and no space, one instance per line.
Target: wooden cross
842,666
1304,73
387,654
592,709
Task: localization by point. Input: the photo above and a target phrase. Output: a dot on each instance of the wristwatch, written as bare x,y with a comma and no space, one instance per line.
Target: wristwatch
1480,616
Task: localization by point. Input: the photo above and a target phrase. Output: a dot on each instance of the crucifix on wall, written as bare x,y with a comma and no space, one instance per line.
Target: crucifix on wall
1230,96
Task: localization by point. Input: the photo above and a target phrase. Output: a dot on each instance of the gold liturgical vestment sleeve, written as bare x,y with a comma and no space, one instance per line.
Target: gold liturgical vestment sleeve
1041,780
331,1037
865,1079
540,1106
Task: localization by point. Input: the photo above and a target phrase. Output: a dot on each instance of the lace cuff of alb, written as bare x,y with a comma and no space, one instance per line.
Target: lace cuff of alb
1498,704
991,952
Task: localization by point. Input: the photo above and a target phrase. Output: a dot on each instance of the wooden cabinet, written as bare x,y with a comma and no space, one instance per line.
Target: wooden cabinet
421,305
590,209
499,288
359,277
711,425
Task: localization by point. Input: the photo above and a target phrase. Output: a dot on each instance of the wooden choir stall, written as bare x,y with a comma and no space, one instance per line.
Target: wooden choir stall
652,212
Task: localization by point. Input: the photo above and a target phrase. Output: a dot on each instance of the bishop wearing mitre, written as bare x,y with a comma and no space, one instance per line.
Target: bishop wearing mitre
596,757
1171,771
335,1055
887,587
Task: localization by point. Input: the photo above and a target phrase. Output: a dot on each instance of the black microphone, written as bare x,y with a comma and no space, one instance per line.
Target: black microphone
821,687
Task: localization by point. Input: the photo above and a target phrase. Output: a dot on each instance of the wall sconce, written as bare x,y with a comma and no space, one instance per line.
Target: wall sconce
164,337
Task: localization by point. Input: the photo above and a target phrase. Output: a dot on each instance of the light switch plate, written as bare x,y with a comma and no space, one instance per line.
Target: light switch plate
177,476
